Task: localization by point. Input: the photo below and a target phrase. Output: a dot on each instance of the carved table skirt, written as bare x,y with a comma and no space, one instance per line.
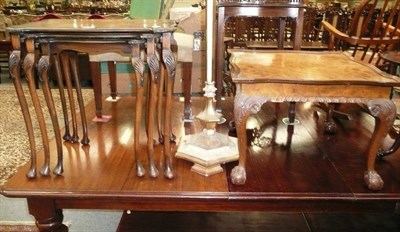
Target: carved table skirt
320,77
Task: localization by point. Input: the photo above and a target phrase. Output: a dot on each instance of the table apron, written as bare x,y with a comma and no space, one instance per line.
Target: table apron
309,91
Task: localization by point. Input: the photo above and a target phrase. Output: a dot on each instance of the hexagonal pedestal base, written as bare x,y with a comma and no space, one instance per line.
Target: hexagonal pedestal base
208,152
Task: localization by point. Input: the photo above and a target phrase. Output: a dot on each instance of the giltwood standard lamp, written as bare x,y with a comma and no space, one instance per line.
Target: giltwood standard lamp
208,149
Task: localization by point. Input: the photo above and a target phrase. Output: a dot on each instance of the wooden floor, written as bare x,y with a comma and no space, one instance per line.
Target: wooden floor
305,173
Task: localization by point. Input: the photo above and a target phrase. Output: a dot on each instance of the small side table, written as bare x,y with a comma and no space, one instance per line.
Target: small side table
276,76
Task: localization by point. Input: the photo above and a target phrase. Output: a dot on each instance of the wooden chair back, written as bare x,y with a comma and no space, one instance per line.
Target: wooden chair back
265,30
367,33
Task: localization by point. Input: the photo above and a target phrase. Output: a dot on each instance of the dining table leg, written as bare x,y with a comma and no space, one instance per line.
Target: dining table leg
48,217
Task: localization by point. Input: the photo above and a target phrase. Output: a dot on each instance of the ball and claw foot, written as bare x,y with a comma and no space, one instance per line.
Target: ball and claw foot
238,175
373,180
330,127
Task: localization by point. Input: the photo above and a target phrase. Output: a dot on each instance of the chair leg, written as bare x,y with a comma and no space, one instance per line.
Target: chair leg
96,79
329,124
392,149
112,72
291,119
187,90
98,94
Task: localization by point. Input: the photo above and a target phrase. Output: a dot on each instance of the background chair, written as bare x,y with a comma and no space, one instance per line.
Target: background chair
5,44
95,73
368,32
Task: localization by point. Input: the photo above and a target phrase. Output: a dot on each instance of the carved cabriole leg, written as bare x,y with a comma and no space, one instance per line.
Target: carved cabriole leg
244,106
43,66
139,67
64,56
160,100
14,65
29,69
60,82
74,66
48,217
170,63
384,112
154,65
160,94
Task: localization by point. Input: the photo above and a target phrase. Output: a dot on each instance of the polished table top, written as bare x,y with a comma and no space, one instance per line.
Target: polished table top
288,66
96,25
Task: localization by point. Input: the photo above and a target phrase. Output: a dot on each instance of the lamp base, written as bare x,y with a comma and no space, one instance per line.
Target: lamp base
208,150
207,171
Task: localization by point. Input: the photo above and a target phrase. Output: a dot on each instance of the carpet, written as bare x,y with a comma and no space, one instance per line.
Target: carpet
18,227
14,142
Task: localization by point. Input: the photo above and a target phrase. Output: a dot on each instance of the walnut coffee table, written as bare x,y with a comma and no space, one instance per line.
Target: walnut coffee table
320,77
